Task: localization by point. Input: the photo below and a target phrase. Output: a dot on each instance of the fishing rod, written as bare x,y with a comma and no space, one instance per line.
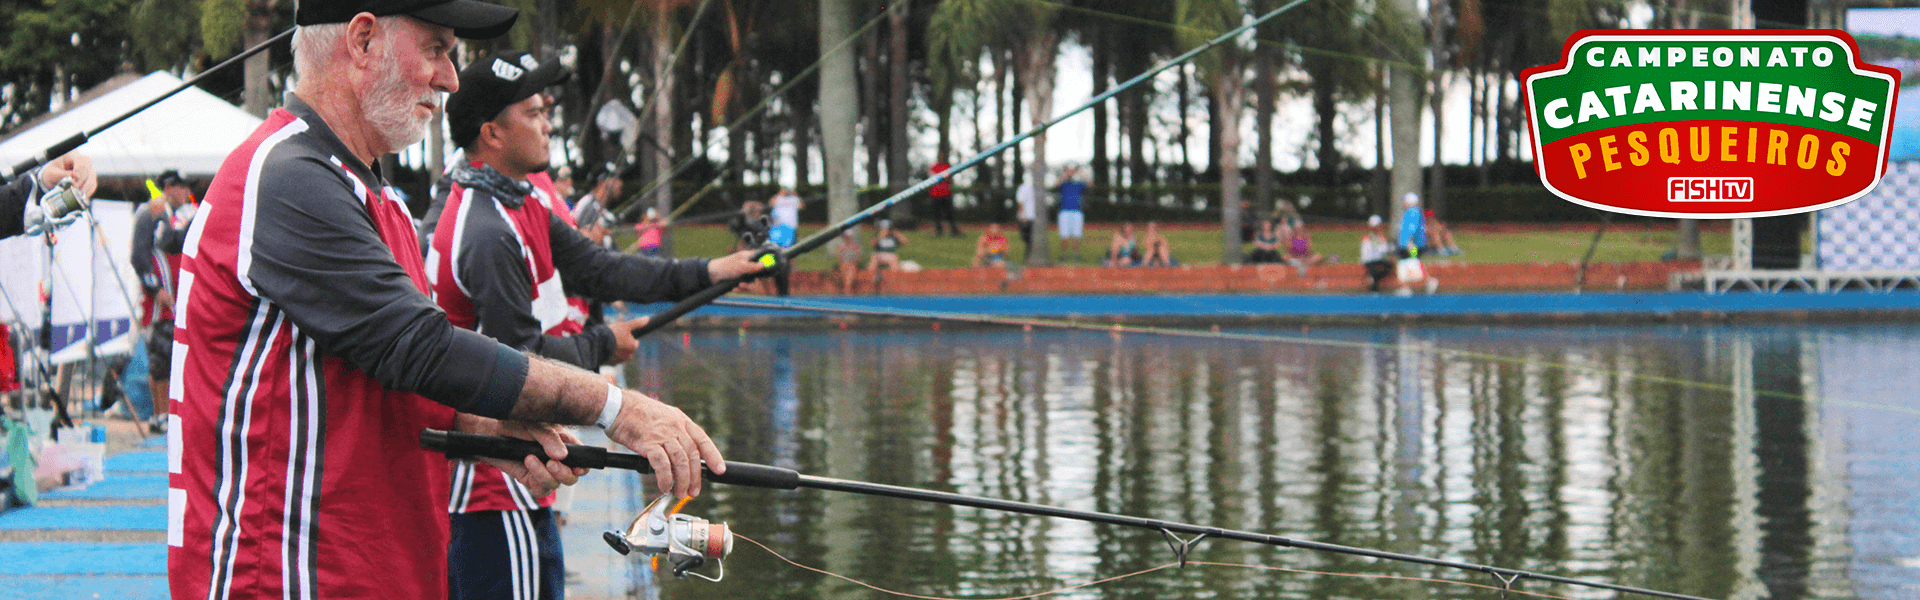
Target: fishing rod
78,139
687,542
774,258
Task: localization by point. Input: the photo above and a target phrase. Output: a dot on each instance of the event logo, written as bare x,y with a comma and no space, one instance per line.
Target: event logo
1715,124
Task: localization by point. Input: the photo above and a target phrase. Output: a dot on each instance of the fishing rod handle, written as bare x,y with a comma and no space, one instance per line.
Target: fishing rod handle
688,305
52,152
457,444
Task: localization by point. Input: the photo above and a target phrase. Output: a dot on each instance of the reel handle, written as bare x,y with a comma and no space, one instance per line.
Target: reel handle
456,444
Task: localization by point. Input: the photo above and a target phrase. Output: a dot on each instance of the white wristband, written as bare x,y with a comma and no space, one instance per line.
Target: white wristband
611,409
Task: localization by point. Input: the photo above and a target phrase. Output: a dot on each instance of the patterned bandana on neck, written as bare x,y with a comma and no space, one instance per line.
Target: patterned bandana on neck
505,189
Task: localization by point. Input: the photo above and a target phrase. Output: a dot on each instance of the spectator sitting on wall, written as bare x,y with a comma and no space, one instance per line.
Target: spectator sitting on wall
1300,248
1440,237
1155,247
1375,253
886,251
1266,245
991,250
1125,249
847,253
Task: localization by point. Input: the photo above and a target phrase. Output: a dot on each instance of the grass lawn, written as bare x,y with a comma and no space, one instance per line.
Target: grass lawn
1200,245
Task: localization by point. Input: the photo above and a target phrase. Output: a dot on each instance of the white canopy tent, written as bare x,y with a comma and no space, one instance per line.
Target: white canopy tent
193,131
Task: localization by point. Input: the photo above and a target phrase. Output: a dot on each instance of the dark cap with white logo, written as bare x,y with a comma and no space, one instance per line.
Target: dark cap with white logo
492,84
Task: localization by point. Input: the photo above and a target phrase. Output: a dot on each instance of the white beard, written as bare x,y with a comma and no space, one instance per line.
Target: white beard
390,109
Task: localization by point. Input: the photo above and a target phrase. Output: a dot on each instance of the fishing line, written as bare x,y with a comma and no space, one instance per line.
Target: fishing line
1030,322
870,586
776,258
631,206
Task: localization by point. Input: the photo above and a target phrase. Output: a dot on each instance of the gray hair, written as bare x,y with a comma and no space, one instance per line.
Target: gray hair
315,45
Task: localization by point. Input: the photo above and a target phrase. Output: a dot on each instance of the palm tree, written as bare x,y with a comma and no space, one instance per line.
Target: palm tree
838,107
1224,68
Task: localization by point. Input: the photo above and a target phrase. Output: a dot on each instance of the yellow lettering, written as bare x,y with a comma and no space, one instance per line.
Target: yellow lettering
1639,156
1777,147
1838,166
1727,142
1809,154
1581,154
1607,152
1670,146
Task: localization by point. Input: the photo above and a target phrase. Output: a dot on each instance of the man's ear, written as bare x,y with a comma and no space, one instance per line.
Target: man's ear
361,31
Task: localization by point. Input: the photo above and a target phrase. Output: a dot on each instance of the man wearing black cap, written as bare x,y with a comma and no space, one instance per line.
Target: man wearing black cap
159,233
309,355
503,263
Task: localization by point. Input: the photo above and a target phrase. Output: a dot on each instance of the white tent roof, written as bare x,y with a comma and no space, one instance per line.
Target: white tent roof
193,131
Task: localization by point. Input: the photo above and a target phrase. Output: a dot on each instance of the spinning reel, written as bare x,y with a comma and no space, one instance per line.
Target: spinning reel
685,541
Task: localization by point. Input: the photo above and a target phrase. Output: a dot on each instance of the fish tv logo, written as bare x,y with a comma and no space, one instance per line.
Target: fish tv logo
1713,124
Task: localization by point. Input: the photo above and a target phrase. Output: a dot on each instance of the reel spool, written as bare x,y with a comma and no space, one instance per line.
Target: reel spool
686,541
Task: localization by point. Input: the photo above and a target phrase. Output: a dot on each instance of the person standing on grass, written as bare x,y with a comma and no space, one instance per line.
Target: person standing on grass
1024,196
1413,227
310,355
941,195
1072,220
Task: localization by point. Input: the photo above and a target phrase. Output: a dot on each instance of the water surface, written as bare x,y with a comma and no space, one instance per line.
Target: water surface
1728,462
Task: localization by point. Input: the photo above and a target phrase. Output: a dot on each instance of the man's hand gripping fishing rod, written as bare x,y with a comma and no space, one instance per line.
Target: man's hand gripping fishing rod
779,257
687,542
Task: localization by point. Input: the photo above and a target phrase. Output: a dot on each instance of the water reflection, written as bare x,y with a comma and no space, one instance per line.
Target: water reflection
1723,462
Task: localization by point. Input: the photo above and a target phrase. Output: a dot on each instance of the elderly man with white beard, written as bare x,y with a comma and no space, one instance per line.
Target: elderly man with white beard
308,355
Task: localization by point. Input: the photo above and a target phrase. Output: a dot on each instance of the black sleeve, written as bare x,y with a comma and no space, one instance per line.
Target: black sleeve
14,197
592,271
497,283
141,255
316,255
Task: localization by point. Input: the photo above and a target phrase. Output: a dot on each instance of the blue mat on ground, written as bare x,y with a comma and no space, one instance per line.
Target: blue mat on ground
144,461
123,518
116,487
158,441
40,587
82,558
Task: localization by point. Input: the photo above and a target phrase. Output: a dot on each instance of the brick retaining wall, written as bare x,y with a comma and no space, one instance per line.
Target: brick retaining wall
1341,278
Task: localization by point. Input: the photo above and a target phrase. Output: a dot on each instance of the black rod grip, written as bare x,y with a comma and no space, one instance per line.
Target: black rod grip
456,444
691,303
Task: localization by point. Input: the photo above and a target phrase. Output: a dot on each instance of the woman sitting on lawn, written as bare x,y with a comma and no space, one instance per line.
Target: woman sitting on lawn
1125,249
886,251
1266,245
991,251
1156,248
1300,248
847,252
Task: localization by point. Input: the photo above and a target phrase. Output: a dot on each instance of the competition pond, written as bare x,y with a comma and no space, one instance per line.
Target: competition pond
1721,461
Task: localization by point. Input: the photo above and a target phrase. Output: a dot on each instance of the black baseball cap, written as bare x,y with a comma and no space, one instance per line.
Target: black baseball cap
170,177
469,19
492,84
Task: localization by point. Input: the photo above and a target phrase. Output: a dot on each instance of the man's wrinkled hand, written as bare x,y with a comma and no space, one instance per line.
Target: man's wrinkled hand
73,164
672,443
540,478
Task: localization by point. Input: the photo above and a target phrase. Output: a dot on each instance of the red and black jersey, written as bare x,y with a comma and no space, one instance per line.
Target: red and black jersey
306,352
503,262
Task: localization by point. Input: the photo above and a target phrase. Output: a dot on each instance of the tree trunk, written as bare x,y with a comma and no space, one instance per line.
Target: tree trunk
1404,109
1016,100
871,103
1229,98
1383,193
1267,80
258,95
1441,18
802,124
1325,113
838,109
1180,138
663,122
1039,52
899,174
1102,69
